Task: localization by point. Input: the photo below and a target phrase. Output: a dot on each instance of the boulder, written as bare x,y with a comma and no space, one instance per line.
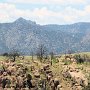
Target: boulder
80,82
46,67
56,82
49,77
59,87
48,71
66,74
32,68
33,83
37,75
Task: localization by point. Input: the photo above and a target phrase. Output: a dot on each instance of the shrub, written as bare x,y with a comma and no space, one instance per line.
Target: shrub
79,59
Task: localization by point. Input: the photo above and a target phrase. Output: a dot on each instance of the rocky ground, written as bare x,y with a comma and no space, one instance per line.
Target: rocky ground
33,75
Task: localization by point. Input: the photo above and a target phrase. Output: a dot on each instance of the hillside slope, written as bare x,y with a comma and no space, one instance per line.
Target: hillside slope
26,36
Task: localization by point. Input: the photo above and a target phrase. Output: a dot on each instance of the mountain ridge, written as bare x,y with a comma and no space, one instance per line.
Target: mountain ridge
23,19
26,35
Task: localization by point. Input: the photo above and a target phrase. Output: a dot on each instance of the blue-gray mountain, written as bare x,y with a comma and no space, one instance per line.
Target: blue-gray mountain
25,36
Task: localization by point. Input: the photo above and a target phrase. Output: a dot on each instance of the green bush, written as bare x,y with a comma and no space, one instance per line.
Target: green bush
79,59
54,60
67,62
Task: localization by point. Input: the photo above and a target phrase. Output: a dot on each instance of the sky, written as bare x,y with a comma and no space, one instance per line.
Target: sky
45,11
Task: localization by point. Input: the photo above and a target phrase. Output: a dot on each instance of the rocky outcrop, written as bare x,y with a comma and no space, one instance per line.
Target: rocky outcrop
78,79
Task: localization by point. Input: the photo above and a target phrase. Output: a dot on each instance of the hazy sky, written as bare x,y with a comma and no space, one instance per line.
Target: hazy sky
46,11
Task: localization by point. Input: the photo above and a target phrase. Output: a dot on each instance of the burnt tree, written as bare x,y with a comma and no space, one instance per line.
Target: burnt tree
13,55
41,52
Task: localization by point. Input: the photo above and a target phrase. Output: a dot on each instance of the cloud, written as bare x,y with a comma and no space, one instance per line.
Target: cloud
9,12
49,1
4,11
87,9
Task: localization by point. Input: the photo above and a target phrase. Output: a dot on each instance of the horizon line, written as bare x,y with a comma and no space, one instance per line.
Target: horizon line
41,24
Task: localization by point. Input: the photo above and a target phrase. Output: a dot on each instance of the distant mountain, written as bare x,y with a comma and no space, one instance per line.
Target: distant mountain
25,36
